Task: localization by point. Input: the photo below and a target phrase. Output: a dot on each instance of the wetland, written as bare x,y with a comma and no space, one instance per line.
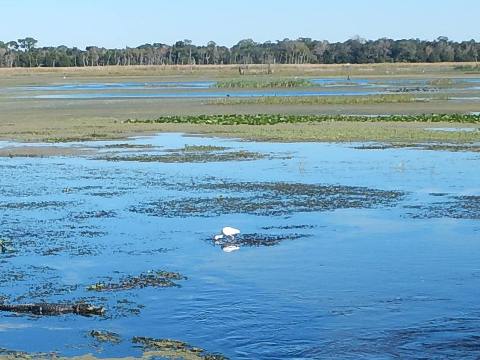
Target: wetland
357,201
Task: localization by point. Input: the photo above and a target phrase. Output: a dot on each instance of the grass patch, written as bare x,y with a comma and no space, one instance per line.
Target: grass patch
471,69
188,157
318,100
271,119
202,148
189,154
262,83
441,82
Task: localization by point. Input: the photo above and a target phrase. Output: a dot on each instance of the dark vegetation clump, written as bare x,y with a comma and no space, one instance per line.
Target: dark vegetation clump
258,239
240,155
270,199
34,205
458,207
103,336
149,279
51,309
175,349
188,156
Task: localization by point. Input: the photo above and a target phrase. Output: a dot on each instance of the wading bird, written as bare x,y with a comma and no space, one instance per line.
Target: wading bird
227,232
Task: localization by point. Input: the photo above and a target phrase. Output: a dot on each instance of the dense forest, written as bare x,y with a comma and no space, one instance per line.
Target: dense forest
24,53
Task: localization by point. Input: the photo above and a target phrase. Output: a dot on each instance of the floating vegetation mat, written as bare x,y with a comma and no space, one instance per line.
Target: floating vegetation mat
53,309
103,336
33,205
128,146
431,146
459,207
152,349
270,119
6,354
174,349
94,214
269,199
257,239
188,154
149,279
188,158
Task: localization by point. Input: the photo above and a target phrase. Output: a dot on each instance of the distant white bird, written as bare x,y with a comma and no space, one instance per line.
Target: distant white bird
229,232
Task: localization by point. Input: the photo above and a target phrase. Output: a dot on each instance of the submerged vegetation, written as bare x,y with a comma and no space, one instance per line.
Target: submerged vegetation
188,156
269,199
454,207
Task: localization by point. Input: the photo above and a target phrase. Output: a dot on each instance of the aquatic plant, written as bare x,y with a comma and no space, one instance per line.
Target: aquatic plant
149,279
188,156
319,100
269,199
441,82
453,207
257,239
271,119
49,309
105,336
201,148
174,349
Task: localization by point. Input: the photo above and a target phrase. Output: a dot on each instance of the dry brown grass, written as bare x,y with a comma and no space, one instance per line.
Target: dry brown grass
232,70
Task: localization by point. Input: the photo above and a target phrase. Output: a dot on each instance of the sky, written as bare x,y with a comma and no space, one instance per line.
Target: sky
120,23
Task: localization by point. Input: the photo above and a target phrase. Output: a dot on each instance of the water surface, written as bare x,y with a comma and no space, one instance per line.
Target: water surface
398,278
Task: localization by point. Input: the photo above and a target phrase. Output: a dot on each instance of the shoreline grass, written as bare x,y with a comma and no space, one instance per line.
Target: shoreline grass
370,130
323,100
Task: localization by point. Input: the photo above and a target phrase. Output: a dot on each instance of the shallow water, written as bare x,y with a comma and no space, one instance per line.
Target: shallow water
462,88
453,129
394,278
204,94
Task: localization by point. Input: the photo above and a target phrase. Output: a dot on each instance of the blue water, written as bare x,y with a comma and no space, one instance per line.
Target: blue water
216,94
364,282
126,86
202,89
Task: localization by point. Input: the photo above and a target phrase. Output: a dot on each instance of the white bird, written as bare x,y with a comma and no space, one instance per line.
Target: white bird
230,232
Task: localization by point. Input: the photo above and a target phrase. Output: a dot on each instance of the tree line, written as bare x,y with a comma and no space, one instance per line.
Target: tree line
24,53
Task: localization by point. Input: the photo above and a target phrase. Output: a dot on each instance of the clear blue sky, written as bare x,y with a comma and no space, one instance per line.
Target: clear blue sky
120,23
